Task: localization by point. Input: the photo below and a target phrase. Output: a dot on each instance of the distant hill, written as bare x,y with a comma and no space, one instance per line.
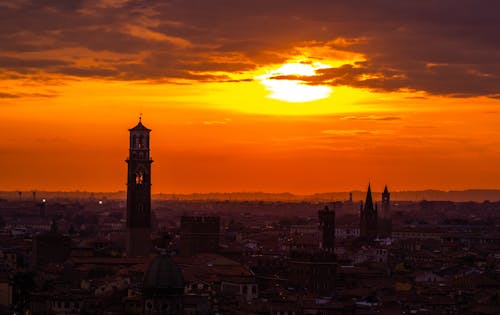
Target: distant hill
478,195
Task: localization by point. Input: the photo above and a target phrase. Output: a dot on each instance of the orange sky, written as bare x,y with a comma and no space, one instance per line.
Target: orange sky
247,104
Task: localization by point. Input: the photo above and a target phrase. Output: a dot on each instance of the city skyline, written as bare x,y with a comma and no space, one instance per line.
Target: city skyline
335,96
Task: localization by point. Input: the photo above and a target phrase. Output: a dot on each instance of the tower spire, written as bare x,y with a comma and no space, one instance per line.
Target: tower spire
369,199
368,217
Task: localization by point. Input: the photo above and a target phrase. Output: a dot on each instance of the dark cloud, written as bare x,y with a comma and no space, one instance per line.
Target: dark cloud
11,95
459,80
12,63
29,66
8,95
371,117
447,47
88,72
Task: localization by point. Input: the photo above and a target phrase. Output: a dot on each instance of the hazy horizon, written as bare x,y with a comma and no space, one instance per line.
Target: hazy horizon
476,195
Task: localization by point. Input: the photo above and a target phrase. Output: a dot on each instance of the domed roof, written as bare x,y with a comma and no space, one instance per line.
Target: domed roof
163,274
140,127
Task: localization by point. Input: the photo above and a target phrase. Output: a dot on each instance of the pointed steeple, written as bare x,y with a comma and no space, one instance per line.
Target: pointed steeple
386,191
369,200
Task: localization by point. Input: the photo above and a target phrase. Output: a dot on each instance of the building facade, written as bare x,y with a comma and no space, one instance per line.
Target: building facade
314,270
50,247
327,227
199,235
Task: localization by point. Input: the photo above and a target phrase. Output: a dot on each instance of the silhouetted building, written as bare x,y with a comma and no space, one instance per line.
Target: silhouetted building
199,235
312,272
139,192
384,220
163,288
386,199
349,205
368,218
51,247
327,228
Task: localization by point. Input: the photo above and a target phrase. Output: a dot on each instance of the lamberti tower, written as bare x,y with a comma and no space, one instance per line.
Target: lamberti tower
139,192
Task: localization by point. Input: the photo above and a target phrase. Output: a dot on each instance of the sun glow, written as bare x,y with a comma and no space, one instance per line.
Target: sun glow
283,86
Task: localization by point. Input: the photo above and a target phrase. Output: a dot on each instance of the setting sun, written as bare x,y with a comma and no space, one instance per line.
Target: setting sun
293,89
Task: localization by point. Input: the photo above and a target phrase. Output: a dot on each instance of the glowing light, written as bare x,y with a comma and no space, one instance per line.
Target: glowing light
291,89
100,202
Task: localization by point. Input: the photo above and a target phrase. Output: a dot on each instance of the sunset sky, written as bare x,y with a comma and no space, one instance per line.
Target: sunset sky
271,95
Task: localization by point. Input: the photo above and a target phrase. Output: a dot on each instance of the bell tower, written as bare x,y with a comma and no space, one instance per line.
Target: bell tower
385,221
139,192
386,203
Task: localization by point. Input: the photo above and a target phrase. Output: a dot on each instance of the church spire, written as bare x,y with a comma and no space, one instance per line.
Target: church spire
368,217
369,200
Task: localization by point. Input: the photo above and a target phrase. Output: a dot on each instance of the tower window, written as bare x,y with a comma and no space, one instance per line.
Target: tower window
139,178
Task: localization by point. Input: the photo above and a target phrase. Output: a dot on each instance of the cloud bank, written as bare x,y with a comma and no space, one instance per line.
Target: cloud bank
445,47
